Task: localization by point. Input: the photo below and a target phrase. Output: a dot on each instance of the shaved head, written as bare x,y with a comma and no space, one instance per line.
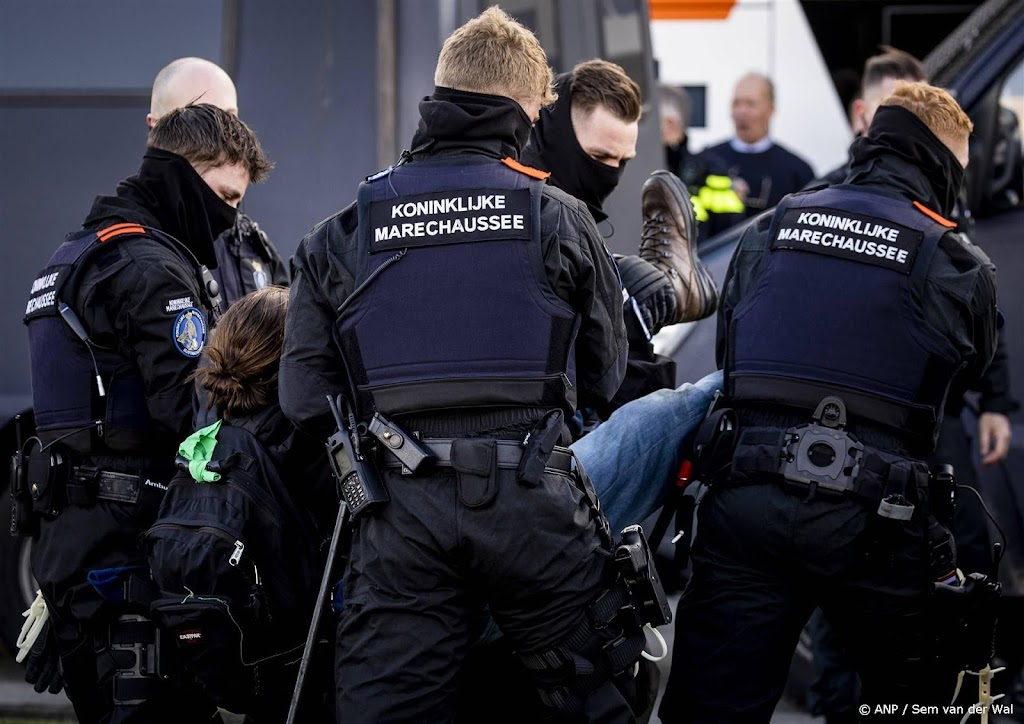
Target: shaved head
191,80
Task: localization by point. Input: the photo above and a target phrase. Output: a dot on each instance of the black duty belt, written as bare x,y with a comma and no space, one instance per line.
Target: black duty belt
866,472
87,484
508,454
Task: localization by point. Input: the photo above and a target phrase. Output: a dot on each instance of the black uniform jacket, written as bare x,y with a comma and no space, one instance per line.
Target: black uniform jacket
133,291
993,386
453,124
246,261
900,160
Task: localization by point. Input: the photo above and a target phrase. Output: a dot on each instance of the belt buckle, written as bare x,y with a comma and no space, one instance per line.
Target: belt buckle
820,457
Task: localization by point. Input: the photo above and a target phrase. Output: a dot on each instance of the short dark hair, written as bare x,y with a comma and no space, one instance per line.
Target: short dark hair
600,83
892,63
208,137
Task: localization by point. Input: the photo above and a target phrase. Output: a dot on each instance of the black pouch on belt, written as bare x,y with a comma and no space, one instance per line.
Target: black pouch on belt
537,447
48,475
475,463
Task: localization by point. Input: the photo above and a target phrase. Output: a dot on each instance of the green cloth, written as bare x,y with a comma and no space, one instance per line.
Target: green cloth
198,449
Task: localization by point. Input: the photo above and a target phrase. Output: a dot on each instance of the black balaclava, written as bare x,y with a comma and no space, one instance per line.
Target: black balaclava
182,203
554,147
895,131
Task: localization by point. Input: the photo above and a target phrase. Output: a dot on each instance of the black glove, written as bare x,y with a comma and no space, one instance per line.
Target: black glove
42,665
651,289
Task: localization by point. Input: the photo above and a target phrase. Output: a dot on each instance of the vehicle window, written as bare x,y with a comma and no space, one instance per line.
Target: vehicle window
540,17
1006,188
623,34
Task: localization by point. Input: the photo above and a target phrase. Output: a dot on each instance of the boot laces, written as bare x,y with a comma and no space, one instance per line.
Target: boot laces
653,232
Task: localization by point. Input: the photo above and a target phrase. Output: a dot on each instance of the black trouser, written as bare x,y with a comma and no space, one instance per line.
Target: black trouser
422,568
835,691
973,545
81,539
763,559
835,686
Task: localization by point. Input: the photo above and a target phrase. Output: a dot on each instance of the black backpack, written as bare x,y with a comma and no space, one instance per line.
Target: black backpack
236,564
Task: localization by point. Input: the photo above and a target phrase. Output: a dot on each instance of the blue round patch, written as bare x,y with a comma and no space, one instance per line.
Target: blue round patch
190,332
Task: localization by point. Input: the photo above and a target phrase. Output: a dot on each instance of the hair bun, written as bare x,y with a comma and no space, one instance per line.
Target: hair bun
240,361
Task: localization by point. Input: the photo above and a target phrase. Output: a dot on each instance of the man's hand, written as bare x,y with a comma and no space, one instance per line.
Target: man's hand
994,437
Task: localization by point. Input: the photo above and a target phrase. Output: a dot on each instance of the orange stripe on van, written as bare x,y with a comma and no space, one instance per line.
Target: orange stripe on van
691,9
933,216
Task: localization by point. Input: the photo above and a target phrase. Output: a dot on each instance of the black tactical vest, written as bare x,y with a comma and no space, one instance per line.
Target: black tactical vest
838,312
89,415
452,309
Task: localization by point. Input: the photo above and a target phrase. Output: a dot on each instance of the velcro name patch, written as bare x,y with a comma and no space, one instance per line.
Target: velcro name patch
450,217
847,235
42,301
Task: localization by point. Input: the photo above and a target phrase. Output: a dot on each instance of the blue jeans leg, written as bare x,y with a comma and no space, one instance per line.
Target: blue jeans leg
632,457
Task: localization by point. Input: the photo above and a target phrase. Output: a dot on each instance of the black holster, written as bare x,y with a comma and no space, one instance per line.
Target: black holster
942,495
24,521
635,565
714,444
135,645
965,621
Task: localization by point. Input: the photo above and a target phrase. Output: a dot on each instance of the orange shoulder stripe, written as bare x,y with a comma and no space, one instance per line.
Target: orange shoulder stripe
117,226
105,235
933,216
528,170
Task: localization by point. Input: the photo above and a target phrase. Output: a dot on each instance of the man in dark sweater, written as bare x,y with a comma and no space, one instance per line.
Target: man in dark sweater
767,170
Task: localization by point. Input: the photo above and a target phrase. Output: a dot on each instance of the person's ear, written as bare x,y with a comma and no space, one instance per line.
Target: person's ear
858,123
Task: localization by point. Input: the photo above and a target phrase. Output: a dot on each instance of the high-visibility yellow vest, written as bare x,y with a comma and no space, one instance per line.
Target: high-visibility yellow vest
718,197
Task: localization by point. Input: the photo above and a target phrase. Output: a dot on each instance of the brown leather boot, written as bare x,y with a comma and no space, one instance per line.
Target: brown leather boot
669,242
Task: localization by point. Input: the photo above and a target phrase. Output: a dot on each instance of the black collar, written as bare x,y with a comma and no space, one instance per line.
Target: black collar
900,151
453,121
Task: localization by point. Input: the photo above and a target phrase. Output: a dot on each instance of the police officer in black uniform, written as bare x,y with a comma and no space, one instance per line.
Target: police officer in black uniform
470,304
246,258
846,316
116,321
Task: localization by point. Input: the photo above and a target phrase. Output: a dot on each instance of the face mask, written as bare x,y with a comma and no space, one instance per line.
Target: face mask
572,170
186,207
220,214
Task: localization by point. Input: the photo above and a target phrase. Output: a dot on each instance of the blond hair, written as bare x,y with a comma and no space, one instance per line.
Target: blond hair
936,108
494,54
